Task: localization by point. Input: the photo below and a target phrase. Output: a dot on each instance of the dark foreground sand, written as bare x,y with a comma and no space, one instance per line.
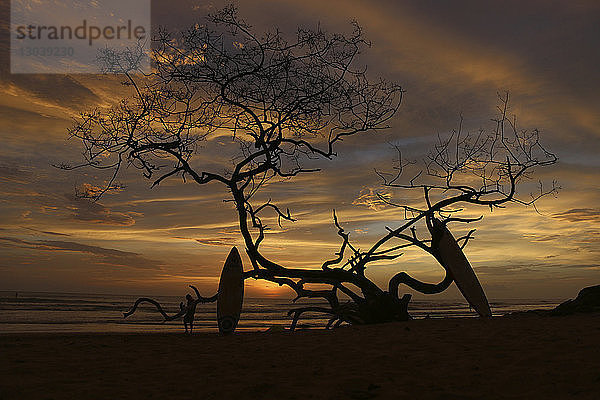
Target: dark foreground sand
527,357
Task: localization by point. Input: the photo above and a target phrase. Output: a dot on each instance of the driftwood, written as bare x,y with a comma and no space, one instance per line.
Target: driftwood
182,312
167,317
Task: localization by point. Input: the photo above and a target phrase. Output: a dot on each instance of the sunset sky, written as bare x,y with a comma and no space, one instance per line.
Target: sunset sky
451,58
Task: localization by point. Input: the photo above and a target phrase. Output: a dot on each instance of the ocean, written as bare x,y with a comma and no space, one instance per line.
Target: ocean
77,312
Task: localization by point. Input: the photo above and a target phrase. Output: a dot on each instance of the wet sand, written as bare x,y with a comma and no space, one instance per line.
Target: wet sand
525,357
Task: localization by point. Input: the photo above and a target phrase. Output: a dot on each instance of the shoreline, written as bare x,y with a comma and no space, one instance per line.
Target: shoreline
60,313
517,357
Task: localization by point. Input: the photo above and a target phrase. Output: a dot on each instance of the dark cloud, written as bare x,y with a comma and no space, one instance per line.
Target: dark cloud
542,238
216,241
47,232
14,174
222,241
579,215
524,267
590,237
58,90
106,256
16,122
39,185
83,209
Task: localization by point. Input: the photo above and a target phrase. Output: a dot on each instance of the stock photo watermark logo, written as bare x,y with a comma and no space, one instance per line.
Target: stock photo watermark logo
79,36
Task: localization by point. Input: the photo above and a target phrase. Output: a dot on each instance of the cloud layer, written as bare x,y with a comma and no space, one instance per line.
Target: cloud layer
451,58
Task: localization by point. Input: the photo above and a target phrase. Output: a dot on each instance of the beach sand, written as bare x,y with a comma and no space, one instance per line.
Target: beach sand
524,357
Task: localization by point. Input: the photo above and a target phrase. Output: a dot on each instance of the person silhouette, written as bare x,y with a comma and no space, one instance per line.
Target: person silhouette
190,311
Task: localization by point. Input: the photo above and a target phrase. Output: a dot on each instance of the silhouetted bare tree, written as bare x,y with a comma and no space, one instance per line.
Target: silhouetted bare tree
465,169
286,102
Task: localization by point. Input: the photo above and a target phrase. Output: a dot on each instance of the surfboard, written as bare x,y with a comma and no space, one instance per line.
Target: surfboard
454,259
231,293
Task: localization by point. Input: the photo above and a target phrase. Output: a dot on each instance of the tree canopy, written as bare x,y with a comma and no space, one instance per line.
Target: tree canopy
285,102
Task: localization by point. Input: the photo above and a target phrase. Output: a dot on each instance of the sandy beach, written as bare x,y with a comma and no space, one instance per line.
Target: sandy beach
524,357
